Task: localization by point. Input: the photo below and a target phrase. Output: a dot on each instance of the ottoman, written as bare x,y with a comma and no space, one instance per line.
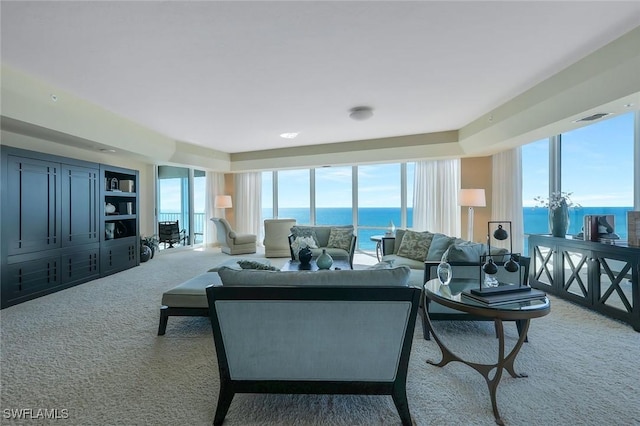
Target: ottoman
190,297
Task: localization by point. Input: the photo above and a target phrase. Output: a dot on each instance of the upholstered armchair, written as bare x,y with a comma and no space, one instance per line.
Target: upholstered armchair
276,237
232,242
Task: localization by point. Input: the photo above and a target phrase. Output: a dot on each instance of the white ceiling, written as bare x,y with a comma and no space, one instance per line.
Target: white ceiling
232,76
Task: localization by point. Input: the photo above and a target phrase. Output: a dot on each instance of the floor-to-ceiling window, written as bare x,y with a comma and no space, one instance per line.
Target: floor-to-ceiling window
594,164
294,195
597,169
182,198
333,196
367,196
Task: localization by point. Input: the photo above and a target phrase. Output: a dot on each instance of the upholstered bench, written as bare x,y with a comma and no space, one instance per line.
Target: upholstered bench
190,297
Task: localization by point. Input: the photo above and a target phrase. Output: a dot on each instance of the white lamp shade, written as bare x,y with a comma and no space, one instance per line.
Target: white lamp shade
223,202
472,198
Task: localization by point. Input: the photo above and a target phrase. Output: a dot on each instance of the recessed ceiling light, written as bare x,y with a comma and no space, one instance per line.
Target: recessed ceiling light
107,150
628,105
290,135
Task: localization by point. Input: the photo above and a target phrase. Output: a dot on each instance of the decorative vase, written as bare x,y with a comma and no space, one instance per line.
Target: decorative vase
444,273
145,253
559,220
305,255
324,261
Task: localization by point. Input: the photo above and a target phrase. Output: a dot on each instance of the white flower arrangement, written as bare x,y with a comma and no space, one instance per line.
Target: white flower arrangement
301,242
556,200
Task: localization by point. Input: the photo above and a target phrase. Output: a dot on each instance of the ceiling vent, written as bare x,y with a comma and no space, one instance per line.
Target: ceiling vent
593,117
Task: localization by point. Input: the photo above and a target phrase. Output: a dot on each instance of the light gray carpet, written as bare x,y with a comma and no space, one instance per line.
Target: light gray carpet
93,350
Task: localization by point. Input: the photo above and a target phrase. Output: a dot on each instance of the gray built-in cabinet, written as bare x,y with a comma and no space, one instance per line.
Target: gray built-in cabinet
54,220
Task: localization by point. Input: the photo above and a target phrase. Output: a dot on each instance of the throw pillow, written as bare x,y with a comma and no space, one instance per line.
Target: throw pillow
252,264
439,244
304,231
340,238
415,245
465,252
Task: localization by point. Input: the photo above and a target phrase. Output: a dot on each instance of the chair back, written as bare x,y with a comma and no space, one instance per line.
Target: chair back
169,232
222,229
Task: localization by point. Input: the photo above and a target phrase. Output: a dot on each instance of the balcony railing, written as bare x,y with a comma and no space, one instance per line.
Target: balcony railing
198,223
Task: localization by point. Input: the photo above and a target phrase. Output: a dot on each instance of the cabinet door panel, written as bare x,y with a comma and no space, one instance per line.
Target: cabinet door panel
117,257
33,207
79,205
80,266
26,278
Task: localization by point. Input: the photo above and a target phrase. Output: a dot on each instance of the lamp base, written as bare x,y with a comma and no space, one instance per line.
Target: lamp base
502,289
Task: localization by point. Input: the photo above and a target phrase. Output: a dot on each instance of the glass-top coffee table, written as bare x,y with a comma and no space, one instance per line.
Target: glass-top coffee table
451,297
294,265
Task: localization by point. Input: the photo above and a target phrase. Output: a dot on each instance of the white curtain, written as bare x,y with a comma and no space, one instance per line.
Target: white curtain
214,186
506,202
248,203
435,196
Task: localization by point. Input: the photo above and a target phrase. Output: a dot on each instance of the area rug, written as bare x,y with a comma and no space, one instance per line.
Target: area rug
91,353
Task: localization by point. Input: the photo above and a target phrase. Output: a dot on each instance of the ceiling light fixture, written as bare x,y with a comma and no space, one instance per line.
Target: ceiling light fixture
107,150
361,113
290,135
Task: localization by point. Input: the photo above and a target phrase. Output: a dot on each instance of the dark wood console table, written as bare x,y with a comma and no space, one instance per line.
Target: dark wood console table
602,277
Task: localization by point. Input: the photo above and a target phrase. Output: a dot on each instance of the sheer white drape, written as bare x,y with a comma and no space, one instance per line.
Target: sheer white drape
506,202
248,203
435,196
214,186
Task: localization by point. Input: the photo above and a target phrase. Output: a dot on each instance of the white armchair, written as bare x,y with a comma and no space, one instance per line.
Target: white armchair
232,242
276,237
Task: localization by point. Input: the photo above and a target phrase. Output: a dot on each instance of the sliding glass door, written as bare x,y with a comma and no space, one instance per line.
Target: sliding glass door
182,199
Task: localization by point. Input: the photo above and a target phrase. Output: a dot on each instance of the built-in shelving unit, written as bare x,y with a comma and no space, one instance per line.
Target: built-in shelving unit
53,223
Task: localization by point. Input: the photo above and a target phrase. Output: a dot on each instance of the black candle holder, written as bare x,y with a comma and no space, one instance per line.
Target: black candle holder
489,267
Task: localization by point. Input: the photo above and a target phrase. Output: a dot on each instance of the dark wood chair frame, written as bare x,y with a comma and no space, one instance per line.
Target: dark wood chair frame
434,316
397,388
169,232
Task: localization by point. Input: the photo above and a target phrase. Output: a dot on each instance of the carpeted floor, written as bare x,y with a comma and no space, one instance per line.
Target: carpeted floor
92,350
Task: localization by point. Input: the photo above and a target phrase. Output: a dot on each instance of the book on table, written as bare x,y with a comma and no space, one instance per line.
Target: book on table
502,299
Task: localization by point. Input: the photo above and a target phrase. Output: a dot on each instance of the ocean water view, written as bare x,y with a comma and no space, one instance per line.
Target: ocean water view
374,220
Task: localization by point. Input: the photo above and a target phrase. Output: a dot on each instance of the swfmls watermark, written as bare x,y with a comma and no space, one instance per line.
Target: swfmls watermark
35,413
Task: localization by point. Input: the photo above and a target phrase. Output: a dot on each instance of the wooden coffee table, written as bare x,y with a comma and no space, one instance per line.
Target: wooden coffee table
294,265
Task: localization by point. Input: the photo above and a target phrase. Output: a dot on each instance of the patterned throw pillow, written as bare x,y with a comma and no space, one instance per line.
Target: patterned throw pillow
340,238
301,242
305,231
252,264
415,245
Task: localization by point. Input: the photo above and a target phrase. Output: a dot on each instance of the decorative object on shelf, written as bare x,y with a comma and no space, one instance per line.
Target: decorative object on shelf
109,208
324,261
109,230
121,230
305,255
489,283
113,185
633,228
127,186
391,230
471,198
558,204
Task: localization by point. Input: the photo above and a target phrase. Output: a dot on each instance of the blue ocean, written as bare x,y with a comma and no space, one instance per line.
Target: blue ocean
374,221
